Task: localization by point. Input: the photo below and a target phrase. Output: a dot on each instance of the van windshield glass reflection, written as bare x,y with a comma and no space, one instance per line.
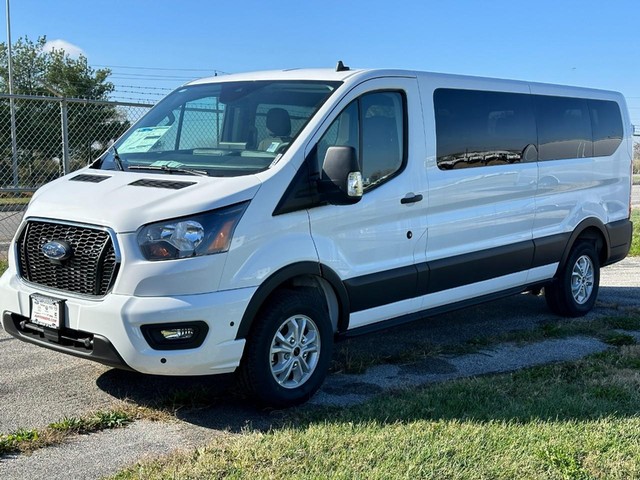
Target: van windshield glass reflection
224,129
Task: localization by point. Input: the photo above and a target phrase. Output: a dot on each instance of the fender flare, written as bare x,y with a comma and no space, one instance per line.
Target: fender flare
585,224
280,278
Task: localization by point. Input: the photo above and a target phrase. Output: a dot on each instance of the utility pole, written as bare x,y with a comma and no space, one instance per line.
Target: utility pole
12,104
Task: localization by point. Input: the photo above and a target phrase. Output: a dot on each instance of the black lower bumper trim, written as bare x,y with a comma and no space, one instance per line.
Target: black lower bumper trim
620,236
73,342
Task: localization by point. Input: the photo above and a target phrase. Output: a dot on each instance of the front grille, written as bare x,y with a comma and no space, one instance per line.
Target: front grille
91,269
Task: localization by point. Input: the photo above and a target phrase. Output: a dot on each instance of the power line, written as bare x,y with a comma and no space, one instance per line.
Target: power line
145,87
215,70
148,76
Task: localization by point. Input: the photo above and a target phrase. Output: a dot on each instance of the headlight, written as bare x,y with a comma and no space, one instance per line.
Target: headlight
202,234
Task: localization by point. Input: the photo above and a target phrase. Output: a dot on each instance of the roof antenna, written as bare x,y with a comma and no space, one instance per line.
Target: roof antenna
341,67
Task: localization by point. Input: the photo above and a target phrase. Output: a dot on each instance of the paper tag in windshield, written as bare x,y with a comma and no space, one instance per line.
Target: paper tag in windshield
143,139
273,147
167,163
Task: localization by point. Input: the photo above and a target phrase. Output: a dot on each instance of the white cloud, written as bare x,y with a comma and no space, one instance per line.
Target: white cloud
70,49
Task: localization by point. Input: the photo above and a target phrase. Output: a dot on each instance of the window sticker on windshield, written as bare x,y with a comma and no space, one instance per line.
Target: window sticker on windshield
143,139
273,147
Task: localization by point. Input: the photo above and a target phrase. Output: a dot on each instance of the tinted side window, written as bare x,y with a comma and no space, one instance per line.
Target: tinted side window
374,126
564,128
382,121
606,123
478,128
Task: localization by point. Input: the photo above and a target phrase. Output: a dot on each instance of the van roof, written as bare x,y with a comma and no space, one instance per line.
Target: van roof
330,74
326,74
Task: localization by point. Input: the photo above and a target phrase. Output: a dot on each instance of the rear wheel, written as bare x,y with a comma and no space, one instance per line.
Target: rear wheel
289,349
574,291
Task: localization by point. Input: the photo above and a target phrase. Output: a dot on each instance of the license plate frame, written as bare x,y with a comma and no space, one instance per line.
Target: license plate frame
45,311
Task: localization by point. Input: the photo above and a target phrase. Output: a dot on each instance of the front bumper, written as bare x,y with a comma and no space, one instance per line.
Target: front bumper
108,330
85,345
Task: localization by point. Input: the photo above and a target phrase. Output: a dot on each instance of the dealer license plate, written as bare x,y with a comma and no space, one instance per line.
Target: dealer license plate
47,311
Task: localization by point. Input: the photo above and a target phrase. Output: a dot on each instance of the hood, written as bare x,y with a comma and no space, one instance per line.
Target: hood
124,201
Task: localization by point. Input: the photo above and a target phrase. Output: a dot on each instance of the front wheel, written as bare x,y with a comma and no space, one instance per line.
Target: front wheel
289,349
574,291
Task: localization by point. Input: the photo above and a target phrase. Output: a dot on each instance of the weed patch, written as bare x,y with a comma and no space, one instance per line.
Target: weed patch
28,440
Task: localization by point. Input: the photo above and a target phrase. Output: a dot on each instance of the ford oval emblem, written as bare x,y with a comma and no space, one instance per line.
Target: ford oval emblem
57,250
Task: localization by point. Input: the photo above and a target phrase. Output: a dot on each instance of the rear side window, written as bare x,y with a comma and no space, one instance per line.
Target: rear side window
478,128
606,125
564,128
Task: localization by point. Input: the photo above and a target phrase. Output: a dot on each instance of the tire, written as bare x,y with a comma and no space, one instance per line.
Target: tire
288,350
574,290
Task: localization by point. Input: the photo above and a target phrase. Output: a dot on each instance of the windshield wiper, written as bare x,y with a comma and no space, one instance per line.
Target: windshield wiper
116,159
167,169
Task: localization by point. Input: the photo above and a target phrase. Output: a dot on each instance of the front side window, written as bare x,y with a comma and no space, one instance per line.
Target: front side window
223,129
374,125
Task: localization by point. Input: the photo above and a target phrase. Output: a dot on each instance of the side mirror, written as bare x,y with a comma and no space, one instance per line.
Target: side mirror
341,182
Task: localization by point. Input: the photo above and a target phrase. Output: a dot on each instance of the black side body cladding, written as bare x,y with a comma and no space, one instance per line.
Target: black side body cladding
381,288
620,236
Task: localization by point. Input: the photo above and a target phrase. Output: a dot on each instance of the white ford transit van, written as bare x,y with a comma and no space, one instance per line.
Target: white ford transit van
247,221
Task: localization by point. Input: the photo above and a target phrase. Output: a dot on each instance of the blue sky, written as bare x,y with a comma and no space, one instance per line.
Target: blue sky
586,42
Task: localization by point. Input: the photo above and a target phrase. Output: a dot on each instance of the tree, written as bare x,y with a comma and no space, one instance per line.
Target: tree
41,72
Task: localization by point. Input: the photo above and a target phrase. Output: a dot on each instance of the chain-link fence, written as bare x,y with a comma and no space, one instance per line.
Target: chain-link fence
53,136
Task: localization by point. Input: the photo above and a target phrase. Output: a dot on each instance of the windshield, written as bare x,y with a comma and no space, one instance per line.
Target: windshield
223,129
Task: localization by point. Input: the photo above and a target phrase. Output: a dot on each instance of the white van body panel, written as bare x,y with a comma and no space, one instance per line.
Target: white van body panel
477,208
125,208
571,190
372,235
431,252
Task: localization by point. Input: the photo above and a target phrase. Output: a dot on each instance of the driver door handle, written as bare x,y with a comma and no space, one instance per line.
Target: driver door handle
411,198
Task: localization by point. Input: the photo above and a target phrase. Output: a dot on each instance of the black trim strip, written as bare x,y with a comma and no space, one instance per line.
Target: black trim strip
549,249
377,289
412,317
382,288
475,267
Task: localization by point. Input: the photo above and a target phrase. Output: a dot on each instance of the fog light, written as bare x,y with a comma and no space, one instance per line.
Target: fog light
175,336
178,333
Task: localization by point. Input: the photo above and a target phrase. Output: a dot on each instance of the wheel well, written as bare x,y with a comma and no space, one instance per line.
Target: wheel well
590,230
597,238
303,275
319,285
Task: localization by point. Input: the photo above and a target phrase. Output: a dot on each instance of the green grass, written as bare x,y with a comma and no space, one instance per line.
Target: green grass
14,201
574,420
25,440
635,242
